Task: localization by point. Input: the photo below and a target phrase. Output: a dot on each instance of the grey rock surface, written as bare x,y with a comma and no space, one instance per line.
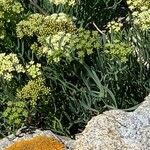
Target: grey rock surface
118,130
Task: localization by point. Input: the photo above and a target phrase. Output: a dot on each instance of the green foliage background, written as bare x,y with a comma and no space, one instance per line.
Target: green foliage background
70,62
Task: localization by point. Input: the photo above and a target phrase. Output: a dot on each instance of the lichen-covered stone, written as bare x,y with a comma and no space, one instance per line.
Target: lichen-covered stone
6,142
37,143
118,130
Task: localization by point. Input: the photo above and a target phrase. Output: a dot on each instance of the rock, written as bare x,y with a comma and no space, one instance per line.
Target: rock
118,130
69,143
5,142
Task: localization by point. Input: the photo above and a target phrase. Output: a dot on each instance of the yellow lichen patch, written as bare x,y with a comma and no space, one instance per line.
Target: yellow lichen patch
38,143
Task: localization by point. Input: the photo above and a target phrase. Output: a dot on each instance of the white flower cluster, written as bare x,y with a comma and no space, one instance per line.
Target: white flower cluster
33,69
63,2
142,19
60,40
8,64
115,26
138,4
141,13
59,44
60,17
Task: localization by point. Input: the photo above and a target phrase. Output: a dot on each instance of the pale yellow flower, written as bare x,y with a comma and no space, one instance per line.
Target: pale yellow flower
63,2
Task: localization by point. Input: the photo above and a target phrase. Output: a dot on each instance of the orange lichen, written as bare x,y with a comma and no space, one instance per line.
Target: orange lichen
38,143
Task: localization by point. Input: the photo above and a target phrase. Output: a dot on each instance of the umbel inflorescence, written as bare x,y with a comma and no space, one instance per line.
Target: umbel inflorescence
9,12
63,2
58,37
140,12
